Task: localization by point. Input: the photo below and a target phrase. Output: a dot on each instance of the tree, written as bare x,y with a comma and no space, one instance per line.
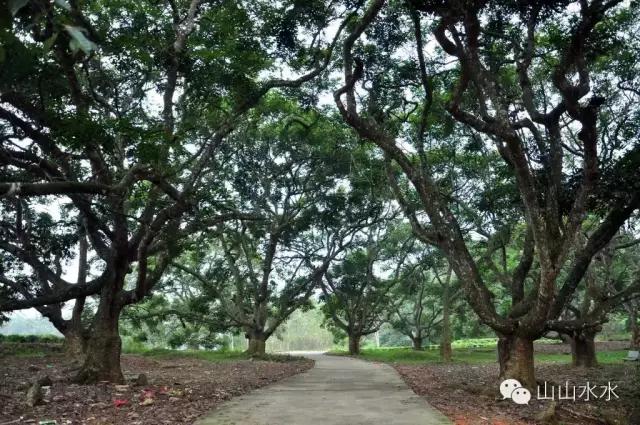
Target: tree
253,274
78,124
355,297
424,301
609,285
38,232
632,308
518,85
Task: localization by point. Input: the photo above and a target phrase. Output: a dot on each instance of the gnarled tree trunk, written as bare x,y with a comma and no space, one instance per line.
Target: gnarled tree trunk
583,350
104,346
354,344
515,355
257,343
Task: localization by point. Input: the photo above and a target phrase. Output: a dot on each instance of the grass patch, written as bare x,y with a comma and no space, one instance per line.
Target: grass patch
212,356
24,349
468,355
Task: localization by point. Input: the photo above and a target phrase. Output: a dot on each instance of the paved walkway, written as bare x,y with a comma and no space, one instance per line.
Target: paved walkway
337,391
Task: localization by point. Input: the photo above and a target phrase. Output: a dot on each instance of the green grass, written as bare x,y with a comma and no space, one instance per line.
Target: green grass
26,352
212,356
22,349
467,355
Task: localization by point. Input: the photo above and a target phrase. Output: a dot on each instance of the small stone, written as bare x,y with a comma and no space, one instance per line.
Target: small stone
142,380
57,398
33,368
45,381
121,388
173,399
34,395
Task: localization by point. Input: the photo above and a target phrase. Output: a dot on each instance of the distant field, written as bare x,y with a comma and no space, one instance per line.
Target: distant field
469,355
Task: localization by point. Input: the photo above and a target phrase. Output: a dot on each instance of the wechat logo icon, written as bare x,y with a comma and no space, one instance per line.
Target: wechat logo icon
511,388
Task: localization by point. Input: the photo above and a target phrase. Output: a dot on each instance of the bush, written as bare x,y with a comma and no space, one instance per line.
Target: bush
23,339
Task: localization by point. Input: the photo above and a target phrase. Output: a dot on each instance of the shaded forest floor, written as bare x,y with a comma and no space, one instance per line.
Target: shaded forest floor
467,389
181,387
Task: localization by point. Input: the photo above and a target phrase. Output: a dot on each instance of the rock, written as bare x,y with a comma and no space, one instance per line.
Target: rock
34,395
173,399
45,381
57,398
33,368
121,388
142,380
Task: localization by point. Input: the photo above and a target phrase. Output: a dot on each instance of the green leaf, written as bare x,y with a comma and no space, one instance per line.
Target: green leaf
79,41
16,5
49,41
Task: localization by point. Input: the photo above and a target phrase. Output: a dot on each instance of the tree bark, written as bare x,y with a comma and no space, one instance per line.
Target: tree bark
515,355
257,344
445,349
75,343
634,327
417,343
104,346
354,344
583,350
75,335
445,339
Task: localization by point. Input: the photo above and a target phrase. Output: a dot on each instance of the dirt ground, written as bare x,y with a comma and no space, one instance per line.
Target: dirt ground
468,394
179,390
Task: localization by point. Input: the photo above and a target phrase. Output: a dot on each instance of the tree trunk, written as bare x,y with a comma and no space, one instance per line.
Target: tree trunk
75,343
515,355
445,339
75,336
583,350
257,344
102,359
417,343
635,330
354,344
445,350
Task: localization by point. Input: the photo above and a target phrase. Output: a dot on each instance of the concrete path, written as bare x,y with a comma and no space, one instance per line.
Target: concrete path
337,391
